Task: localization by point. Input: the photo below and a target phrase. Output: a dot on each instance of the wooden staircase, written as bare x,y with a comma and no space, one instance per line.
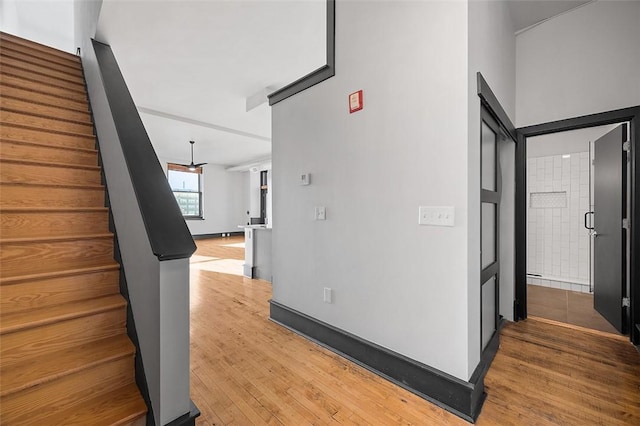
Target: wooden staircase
65,357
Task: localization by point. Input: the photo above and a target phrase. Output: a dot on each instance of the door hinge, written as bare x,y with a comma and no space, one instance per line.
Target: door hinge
626,302
625,223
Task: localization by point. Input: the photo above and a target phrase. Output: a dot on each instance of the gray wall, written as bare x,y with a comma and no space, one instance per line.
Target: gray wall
395,283
579,63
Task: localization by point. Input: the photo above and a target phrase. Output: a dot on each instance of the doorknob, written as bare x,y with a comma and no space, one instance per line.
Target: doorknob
594,233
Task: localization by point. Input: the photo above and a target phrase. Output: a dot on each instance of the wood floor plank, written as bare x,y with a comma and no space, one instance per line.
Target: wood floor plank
247,369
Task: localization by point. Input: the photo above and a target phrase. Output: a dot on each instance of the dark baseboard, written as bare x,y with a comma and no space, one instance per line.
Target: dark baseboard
461,398
188,419
217,235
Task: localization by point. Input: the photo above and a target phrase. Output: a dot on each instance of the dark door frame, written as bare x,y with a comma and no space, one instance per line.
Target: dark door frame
631,115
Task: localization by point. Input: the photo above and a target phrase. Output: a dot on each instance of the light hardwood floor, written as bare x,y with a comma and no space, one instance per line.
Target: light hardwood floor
246,370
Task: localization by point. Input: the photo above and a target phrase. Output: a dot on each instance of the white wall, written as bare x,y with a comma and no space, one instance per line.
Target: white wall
397,284
579,63
225,196
49,22
492,53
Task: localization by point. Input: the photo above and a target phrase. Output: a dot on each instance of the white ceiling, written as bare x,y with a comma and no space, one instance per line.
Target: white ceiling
191,65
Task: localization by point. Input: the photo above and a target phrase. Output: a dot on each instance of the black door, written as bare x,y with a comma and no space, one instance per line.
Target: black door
608,200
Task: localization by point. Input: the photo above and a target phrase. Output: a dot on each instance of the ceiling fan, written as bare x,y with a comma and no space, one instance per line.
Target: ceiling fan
192,166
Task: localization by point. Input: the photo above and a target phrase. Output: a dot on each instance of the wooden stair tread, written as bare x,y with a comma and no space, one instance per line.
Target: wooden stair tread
45,368
61,132
35,77
39,98
50,164
55,274
53,185
29,319
55,238
35,46
40,144
13,51
41,111
52,209
46,70
118,407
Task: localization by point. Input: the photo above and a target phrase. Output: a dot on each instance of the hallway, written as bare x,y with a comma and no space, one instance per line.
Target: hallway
248,370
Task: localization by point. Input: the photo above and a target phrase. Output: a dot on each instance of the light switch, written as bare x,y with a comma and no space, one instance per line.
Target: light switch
304,179
436,215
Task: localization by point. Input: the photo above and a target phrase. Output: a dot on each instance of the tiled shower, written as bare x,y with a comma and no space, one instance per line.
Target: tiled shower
558,196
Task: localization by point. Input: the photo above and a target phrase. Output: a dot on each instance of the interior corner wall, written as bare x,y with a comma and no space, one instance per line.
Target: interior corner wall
225,200
582,62
492,53
395,283
85,14
46,22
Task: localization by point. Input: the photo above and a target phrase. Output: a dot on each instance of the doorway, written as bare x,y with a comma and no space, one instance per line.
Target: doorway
624,303
561,181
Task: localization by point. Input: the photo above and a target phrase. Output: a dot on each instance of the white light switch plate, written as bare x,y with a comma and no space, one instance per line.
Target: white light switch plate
436,215
304,179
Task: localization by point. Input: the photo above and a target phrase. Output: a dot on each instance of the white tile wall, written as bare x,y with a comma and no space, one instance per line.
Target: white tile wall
558,244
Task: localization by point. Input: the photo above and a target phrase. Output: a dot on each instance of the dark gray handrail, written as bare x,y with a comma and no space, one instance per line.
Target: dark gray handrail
167,231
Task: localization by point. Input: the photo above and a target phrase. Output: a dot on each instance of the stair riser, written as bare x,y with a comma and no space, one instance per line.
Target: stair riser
45,293
39,224
41,98
61,335
42,52
11,80
10,51
28,173
43,137
28,107
40,257
26,196
45,123
65,392
17,151
45,79
18,64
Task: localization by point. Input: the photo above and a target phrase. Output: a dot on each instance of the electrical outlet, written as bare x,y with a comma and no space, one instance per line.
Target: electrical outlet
328,295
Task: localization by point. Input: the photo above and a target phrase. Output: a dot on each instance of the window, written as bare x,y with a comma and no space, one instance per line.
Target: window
187,188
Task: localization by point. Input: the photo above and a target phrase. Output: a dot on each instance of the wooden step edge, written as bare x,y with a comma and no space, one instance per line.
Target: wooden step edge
27,320
73,69
20,66
39,47
53,185
43,145
83,101
72,75
55,238
17,73
36,210
13,47
83,107
50,164
87,122
120,407
46,130
17,279
101,348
